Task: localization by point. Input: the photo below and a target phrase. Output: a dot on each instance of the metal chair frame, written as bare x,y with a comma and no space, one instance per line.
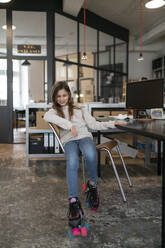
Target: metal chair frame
105,147
108,147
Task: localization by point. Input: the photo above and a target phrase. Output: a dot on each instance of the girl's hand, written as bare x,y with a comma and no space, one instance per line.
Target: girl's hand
73,131
121,123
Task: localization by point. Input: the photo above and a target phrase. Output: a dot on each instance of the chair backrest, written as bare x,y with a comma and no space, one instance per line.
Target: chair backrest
56,132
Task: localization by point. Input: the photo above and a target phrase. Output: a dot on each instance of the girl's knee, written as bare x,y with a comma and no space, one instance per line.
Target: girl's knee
72,164
90,155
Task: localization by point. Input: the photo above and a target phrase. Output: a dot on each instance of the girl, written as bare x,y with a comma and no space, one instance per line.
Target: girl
73,122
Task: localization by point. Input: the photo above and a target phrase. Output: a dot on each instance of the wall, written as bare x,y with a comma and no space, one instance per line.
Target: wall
140,69
36,81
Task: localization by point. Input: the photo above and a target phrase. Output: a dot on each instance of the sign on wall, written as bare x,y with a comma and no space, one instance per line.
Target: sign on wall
32,49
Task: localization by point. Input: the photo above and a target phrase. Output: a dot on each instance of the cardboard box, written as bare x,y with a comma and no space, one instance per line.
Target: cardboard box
101,113
40,122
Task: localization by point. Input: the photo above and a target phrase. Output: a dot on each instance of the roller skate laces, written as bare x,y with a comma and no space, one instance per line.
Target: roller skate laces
76,219
92,199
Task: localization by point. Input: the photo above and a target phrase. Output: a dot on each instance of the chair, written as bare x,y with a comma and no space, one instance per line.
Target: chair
108,146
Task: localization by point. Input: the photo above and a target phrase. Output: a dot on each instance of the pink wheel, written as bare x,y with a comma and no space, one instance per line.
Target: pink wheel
84,232
76,231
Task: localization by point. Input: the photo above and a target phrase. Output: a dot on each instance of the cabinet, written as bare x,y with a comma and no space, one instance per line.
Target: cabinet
35,146
158,70
158,67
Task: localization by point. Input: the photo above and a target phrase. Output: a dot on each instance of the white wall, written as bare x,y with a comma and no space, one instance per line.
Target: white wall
36,80
143,68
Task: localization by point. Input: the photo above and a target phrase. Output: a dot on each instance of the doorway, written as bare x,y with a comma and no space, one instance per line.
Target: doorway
29,86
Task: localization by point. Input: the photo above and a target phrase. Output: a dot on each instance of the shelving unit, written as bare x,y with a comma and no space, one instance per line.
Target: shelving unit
44,107
33,130
158,67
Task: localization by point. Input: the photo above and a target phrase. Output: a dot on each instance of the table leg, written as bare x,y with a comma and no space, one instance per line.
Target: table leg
159,158
147,150
163,197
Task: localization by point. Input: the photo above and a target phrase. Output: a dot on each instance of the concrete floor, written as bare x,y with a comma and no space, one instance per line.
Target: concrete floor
33,205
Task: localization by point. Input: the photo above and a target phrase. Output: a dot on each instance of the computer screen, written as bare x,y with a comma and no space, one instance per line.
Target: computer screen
146,94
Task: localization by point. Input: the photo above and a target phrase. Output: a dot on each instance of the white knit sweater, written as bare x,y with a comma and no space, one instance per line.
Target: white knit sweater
81,119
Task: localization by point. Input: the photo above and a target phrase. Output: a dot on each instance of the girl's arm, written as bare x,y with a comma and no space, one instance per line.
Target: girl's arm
51,116
97,125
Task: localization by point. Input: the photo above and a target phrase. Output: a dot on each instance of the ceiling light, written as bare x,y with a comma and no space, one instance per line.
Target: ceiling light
26,63
84,57
153,4
5,1
140,59
5,27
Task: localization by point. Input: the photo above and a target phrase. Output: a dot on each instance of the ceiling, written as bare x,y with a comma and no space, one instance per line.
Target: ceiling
127,14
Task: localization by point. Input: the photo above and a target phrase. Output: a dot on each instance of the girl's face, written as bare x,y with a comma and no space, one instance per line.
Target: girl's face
62,97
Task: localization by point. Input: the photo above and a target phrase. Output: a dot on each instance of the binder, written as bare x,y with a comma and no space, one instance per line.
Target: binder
51,143
46,142
56,146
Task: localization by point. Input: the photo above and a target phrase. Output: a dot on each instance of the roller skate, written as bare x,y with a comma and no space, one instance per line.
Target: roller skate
77,223
92,199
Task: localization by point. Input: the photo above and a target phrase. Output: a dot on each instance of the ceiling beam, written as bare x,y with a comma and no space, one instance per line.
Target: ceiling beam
72,7
154,34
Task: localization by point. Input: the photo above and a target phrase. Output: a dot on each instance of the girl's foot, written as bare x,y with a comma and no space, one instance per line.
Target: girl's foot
92,199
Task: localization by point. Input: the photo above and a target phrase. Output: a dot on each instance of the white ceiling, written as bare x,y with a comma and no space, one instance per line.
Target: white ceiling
126,13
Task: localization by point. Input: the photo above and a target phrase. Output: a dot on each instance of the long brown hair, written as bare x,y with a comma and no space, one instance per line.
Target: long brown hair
55,89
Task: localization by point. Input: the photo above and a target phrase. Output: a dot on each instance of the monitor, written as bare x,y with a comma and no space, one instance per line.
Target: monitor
146,94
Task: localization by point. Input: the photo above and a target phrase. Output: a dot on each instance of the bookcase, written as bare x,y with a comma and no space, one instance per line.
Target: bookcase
40,140
158,67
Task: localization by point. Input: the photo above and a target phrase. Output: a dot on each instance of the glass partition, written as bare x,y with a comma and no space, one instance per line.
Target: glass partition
60,72
112,87
106,51
65,38
28,82
29,37
120,56
3,82
91,45
87,84
3,36
68,72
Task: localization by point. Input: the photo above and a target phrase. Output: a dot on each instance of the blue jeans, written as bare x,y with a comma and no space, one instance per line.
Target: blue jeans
72,151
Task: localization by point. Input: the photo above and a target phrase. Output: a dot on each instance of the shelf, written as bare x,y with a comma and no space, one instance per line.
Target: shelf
46,155
39,131
39,105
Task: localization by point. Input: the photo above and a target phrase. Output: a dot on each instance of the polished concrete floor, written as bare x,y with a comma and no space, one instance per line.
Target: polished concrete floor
33,205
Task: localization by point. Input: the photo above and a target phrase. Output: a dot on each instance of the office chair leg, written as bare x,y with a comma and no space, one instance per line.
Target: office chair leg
125,168
117,176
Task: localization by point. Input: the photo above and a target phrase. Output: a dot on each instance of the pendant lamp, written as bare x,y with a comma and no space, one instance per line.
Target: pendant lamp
140,58
26,63
5,27
84,57
5,1
154,4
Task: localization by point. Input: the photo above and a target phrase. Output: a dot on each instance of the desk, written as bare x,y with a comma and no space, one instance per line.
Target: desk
154,129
